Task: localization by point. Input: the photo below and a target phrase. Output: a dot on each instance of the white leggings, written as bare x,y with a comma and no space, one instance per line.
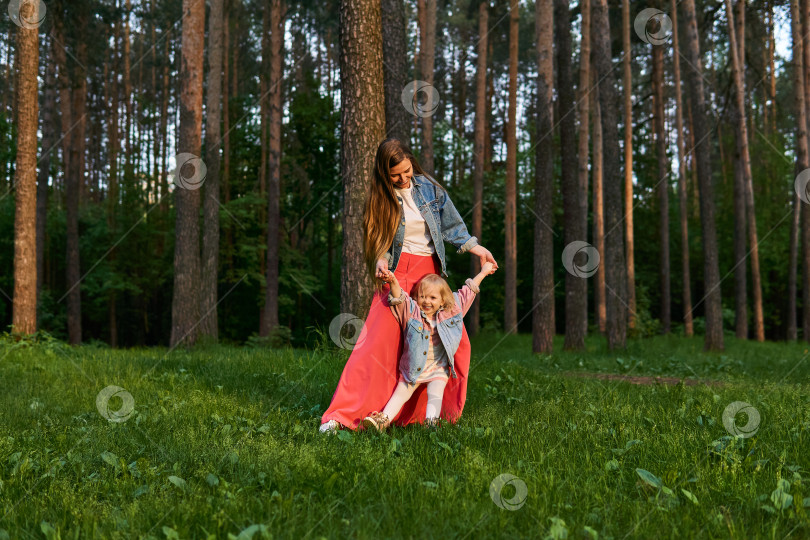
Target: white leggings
404,391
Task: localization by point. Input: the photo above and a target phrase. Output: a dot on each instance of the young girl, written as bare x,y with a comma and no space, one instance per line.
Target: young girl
432,326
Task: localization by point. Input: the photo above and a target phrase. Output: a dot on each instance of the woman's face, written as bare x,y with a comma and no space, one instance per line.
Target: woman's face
401,174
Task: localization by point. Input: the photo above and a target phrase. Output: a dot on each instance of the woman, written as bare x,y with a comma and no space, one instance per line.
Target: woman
408,216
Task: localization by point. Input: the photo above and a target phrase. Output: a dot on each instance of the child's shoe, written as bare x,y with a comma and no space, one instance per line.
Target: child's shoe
331,427
378,420
433,422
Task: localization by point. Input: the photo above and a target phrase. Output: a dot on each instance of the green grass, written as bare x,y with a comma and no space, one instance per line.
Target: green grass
223,439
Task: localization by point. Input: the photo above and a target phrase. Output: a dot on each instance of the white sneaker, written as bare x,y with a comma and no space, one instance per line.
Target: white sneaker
330,427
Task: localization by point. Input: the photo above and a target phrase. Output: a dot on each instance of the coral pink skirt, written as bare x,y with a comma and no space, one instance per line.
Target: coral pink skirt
371,373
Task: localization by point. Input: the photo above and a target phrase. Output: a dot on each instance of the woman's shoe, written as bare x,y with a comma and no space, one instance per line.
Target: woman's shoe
331,427
377,420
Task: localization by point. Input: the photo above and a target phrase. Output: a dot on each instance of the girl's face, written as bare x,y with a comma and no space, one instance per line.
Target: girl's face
430,300
401,174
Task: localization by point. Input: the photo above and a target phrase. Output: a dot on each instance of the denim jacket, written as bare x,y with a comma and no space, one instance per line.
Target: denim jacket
418,331
442,219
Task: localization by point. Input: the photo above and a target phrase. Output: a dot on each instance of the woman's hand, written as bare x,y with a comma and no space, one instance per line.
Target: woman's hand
388,276
382,269
485,256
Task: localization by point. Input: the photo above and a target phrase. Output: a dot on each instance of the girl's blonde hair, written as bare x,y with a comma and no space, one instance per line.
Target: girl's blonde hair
382,213
431,281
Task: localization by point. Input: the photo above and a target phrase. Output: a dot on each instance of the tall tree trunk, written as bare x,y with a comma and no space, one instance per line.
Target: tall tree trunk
478,158
614,259
737,63
24,305
185,303
801,158
128,99
427,53
600,307
277,13
263,136
363,126
164,114
583,103
155,130
740,220
73,187
510,213
576,287
805,217
209,326
702,151
112,182
682,198
49,141
628,166
395,68
663,182
543,320
771,71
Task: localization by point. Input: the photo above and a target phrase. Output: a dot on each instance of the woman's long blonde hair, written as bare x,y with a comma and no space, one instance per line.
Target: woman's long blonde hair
382,212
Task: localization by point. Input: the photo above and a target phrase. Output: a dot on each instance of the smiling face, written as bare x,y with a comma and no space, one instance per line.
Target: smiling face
401,174
430,300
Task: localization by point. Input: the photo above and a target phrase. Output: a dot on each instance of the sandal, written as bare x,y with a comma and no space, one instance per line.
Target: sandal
432,422
378,420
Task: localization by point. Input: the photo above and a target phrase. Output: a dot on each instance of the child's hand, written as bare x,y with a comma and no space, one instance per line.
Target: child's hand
488,268
387,276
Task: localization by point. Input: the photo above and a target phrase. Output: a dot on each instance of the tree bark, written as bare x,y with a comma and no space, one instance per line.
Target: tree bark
209,327
600,306
510,225
270,319
702,151
24,305
614,259
185,303
801,158
583,104
737,63
74,181
574,210
478,158
427,53
628,166
682,196
805,218
395,68
663,182
543,320
49,141
363,127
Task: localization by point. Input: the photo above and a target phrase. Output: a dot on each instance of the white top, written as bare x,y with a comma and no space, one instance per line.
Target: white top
417,235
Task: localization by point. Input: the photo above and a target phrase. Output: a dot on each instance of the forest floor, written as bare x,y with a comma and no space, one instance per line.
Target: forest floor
223,442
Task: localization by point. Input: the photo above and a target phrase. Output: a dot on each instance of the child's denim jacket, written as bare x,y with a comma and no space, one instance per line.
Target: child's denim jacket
418,331
442,219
